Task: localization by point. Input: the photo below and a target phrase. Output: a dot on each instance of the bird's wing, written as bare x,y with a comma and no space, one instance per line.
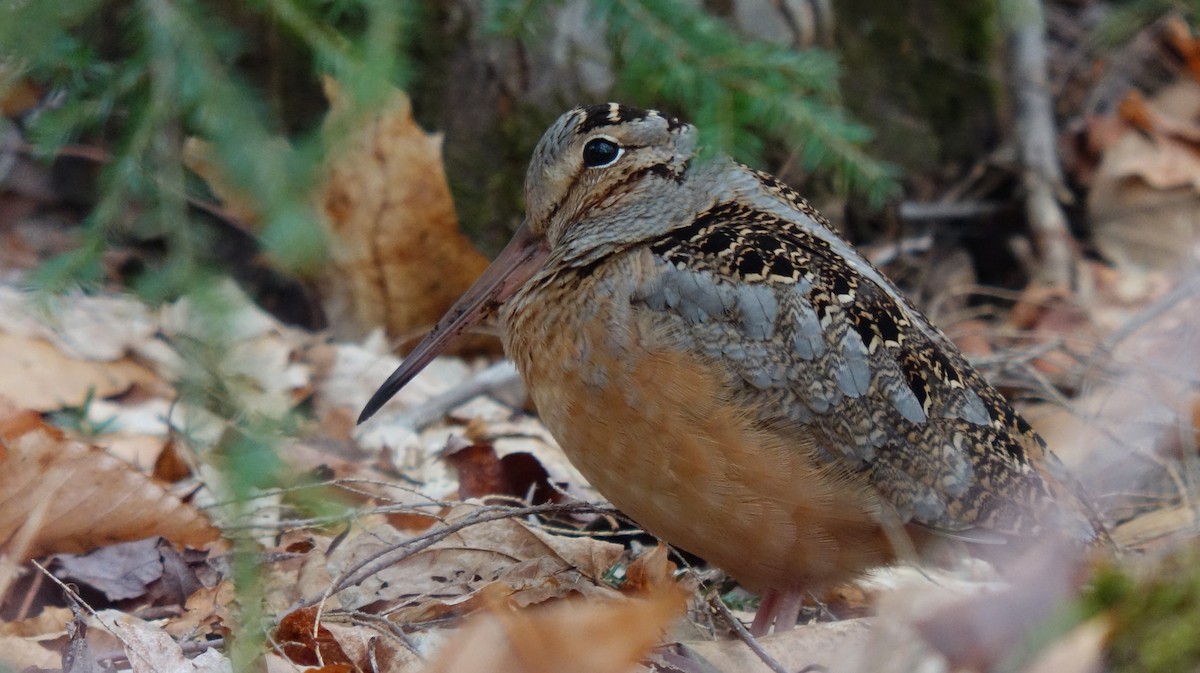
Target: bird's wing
814,346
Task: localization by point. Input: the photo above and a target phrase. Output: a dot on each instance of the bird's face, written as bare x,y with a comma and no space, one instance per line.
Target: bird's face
587,167
578,192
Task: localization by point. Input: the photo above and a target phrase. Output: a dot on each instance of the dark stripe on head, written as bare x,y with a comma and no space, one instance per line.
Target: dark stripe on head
594,117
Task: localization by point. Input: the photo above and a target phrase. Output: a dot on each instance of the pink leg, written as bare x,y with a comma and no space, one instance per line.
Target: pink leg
781,608
787,610
761,625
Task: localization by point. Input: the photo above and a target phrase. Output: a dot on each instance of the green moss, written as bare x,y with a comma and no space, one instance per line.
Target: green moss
1155,616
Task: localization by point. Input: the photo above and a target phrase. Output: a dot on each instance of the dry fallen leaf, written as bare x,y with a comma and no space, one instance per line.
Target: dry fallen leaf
398,258
40,377
101,328
584,636
823,645
152,650
307,643
502,560
206,611
372,652
58,495
19,653
1144,194
119,571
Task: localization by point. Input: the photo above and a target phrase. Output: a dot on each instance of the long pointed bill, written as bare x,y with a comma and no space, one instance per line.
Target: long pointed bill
517,263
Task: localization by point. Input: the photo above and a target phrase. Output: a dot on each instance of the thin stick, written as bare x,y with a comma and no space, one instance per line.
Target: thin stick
432,410
744,634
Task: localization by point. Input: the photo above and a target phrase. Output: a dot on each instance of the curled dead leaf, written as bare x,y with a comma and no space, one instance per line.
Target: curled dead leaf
398,258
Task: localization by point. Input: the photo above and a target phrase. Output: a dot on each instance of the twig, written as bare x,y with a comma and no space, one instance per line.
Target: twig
1036,141
886,253
187,648
386,627
915,210
744,634
392,554
432,410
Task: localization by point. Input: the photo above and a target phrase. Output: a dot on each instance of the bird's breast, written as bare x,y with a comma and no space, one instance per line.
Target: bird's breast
652,424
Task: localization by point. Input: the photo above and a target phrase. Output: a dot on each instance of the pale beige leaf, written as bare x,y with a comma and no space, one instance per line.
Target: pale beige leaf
824,644
100,328
1143,198
71,497
38,376
17,654
49,623
597,636
151,650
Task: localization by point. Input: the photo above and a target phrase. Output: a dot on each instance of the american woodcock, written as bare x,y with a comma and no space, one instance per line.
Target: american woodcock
735,376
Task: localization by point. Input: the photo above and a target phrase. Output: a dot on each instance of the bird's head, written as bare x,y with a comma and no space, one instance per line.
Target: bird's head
602,176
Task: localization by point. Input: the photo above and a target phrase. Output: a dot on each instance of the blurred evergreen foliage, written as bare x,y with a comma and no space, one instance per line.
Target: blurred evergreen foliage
139,77
743,94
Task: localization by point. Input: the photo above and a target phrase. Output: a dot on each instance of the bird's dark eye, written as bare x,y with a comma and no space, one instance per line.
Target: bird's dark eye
600,152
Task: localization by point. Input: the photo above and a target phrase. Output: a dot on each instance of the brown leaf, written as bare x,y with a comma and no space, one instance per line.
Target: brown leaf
479,470
20,642
1144,193
68,497
18,97
19,654
207,611
171,466
48,622
650,572
481,473
1133,111
398,258
370,652
306,643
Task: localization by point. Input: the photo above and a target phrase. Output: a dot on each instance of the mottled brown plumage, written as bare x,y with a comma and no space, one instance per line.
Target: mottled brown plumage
735,376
